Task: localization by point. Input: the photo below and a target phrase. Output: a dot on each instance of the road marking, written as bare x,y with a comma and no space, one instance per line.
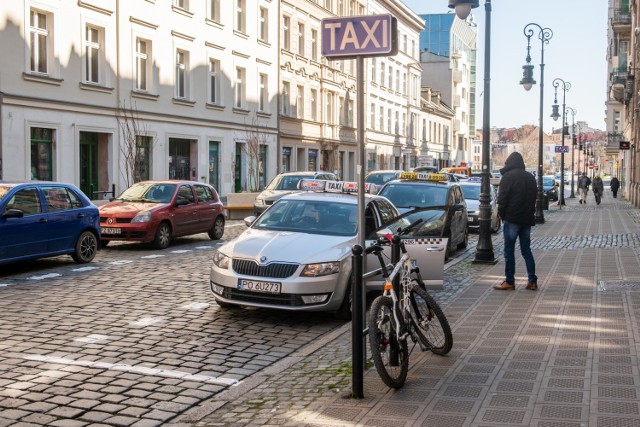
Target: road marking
88,268
181,251
147,321
2,285
135,369
196,306
121,262
234,225
152,256
204,247
44,276
91,339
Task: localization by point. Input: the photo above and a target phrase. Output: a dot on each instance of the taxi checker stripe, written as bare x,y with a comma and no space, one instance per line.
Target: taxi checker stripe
428,241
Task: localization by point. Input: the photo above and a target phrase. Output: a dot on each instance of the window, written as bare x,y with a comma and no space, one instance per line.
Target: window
314,45
404,84
327,4
181,73
372,117
286,42
341,10
286,98
241,16
397,122
92,53
404,43
214,10
143,158
397,80
390,77
182,4
342,117
26,200
381,115
185,195
143,51
264,25
389,120
60,198
39,32
300,102
214,81
350,112
240,87
42,154
330,117
382,68
263,96
204,194
373,70
314,104
301,39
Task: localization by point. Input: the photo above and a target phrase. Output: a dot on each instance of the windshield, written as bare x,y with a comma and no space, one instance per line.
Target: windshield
310,216
548,182
148,192
471,192
433,221
380,178
403,195
286,182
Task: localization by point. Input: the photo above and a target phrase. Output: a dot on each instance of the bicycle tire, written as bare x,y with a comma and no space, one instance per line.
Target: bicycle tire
431,325
390,357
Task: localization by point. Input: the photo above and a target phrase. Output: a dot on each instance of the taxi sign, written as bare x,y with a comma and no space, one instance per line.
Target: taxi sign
335,186
423,176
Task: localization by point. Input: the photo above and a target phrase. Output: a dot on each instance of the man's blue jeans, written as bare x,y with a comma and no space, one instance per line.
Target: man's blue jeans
511,233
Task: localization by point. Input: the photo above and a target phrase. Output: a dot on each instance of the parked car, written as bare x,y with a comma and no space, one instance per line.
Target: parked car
471,191
42,219
382,177
425,169
297,254
283,184
158,211
550,187
415,191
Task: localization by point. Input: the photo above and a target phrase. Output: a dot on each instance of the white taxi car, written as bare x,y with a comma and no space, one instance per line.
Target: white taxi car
297,254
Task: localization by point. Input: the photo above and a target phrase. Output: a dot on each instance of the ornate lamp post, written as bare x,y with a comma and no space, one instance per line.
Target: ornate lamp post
574,142
555,115
544,35
484,248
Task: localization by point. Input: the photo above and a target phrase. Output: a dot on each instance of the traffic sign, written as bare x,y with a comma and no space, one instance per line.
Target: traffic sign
562,148
371,35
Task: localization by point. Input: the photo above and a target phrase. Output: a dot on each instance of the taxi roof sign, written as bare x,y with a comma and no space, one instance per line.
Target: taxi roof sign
335,186
424,176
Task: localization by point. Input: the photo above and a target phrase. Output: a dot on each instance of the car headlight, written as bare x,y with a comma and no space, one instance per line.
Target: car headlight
220,260
321,269
259,202
142,217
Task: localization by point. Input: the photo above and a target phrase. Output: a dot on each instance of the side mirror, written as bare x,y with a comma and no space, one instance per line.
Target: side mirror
249,220
181,202
13,213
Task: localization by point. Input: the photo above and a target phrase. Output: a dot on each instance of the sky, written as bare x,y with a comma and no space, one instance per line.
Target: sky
576,53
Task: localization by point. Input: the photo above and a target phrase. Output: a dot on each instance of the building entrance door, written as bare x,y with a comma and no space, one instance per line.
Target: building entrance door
89,163
179,151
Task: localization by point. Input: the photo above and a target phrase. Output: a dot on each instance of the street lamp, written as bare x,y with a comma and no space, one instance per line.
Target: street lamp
574,142
544,35
565,87
484,248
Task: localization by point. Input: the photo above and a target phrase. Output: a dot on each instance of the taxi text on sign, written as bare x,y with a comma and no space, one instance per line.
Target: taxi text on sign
372,35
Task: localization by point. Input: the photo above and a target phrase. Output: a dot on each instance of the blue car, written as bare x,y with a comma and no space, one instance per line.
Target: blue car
42,219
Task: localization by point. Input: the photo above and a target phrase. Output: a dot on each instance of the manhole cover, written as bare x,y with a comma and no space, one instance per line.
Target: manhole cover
617,285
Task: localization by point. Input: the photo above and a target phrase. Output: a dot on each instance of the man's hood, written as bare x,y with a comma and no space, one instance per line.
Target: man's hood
514,161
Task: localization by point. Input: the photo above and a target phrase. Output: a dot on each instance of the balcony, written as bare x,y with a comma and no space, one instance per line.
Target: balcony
621,20
613,143
618,82
456,75
456,101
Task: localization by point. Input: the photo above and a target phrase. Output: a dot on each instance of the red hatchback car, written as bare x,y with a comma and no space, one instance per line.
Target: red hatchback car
157,211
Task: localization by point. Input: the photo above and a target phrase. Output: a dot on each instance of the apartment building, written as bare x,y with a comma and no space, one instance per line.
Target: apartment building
186,84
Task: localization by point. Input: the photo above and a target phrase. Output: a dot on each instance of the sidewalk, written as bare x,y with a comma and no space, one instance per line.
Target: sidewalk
564,356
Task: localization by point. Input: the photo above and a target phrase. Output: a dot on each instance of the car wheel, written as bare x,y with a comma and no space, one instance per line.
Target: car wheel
217,230
86,248
450,250
163,236
497,227
465,241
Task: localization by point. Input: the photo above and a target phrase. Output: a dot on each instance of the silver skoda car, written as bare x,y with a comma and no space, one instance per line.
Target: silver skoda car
297,254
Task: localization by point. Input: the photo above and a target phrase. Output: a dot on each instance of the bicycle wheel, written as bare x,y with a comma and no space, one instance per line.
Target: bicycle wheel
390,356
431,325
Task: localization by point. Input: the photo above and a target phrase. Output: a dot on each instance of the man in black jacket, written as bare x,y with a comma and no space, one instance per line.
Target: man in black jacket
517,206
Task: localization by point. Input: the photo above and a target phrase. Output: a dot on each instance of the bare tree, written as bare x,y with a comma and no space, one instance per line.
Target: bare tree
132,129
255,137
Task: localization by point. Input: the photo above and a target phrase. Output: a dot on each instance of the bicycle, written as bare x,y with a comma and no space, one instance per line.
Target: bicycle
406,312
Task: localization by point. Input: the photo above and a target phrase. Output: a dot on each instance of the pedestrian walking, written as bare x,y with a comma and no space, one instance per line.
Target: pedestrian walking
583,187
615,185
598,189
516,207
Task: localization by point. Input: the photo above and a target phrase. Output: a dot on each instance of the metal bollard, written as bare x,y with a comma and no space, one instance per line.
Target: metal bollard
357,323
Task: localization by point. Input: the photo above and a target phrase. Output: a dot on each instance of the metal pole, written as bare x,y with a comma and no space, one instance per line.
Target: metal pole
357,339
573,149
484,248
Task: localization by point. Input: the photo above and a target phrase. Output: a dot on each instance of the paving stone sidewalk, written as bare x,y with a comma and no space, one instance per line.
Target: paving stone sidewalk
564,356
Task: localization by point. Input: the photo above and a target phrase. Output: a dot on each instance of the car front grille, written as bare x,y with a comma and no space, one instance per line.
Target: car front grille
275,270
117,220
290,300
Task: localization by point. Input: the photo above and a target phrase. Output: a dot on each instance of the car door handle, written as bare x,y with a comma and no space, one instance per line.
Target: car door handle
43,220
80,215
435,249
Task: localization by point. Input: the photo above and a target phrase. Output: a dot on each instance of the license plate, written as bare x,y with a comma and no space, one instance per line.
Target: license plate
110,230
258,286
472,219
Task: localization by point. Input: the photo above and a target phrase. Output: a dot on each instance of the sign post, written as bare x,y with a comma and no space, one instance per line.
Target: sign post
347,38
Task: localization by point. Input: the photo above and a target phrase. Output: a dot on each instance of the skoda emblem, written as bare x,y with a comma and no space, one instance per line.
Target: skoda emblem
263,259
110,221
